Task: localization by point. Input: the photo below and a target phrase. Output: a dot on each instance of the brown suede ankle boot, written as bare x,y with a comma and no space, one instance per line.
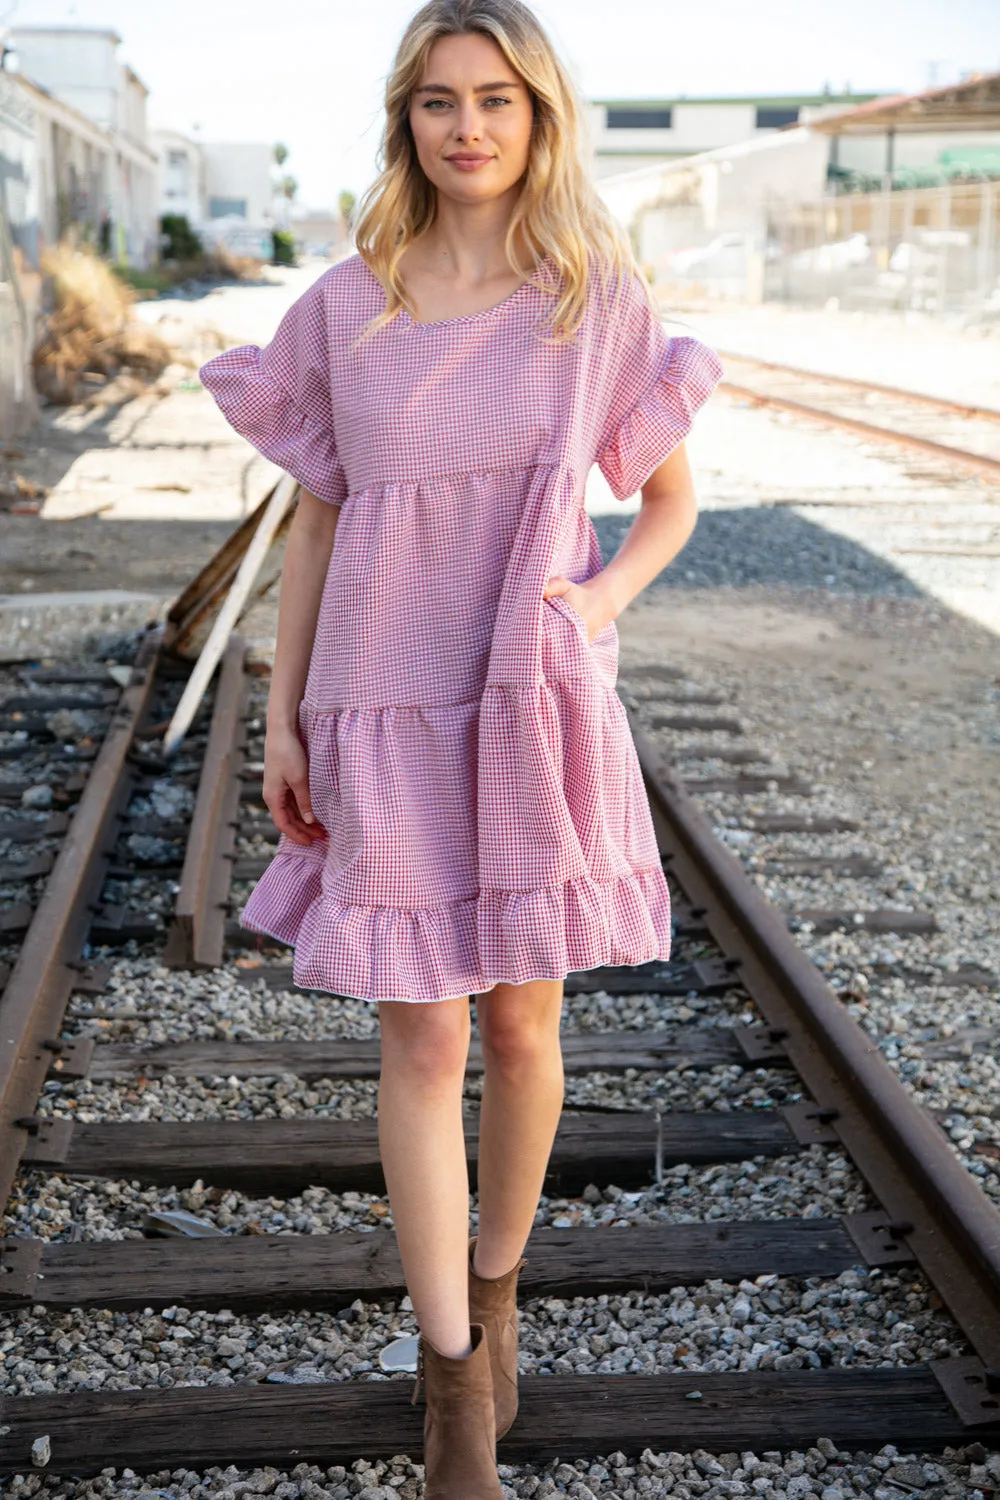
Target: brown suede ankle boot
460,1460
493,1302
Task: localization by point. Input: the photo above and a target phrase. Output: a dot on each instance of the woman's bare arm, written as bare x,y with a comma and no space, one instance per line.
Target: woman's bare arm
661,528
303,575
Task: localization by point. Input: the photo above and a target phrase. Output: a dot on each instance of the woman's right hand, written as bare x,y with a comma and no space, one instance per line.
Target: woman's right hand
286,787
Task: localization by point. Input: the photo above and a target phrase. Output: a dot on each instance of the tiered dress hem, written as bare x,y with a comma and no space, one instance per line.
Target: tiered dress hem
397,954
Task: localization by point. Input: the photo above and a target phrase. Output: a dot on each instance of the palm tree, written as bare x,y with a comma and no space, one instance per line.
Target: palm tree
346,204
280,154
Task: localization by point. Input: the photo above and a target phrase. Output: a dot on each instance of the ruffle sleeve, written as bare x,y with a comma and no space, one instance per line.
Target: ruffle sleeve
654,386
278,397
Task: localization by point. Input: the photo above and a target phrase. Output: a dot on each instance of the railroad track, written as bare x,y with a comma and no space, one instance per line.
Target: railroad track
777,1021
957,435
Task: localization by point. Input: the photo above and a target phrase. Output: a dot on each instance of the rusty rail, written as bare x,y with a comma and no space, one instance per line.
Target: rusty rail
931,1201
980,463
197,928
41,981
918,398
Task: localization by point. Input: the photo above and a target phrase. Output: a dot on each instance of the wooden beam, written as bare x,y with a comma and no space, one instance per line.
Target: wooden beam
583,1052
286,1156
257,1272
882,920
565,1416
282,499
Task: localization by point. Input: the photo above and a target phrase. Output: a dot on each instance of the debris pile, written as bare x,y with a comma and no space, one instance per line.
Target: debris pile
89,335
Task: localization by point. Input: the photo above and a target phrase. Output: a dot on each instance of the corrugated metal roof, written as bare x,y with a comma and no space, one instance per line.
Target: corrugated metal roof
973,104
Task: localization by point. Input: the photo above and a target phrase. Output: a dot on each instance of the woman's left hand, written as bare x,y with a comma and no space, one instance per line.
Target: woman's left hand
589,599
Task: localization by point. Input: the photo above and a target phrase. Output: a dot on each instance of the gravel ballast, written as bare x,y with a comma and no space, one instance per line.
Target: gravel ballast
841,670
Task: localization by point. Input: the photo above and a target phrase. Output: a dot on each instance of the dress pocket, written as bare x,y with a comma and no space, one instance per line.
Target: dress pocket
601,652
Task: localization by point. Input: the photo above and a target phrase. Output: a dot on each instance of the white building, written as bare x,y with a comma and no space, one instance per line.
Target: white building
720,189
741,218
632,133
319,233
238,180
914,136
181,179
704,217
224,189
93,162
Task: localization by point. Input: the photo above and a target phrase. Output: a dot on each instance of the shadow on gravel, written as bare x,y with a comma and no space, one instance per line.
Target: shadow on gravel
767,546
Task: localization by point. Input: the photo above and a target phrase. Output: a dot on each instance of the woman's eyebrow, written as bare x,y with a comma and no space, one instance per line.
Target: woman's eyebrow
443,88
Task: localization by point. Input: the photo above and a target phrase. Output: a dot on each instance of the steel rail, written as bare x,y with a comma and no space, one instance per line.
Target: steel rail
919,398
934,1204
197,929
962,457
36,994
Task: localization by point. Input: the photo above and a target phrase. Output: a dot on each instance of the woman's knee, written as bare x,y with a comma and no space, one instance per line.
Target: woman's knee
429,1043
517,1040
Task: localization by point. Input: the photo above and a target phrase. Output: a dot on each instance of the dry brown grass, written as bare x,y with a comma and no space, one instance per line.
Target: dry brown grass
224,263
90,329
215,264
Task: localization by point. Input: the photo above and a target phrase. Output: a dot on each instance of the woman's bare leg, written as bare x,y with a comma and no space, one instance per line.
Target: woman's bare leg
522,1101
422,1143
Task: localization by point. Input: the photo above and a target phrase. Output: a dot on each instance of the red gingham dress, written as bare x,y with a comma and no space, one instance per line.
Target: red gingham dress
469,756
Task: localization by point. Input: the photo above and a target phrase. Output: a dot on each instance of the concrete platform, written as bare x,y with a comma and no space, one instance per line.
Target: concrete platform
52,624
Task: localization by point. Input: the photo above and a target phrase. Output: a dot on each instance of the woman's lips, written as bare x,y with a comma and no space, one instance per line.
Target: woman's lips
468,163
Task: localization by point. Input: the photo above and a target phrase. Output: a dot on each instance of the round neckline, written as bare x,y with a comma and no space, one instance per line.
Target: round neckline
484,312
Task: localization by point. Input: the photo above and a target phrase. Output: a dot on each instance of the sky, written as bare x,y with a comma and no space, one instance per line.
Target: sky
311,73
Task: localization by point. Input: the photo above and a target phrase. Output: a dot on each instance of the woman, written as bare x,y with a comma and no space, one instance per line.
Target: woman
459,801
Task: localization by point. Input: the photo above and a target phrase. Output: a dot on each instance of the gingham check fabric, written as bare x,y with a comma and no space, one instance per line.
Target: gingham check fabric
469,757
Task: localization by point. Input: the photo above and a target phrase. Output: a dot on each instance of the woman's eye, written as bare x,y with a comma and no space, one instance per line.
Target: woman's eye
496,99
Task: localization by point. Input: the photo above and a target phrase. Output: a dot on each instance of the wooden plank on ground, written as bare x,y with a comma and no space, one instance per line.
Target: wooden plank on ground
257,1272
745,786
583,1052
722,723
683,696
565,1416
883,920
657,670
798,823
285,1156
736,755
852,866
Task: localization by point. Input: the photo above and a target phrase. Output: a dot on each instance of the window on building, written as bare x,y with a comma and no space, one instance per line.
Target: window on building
640,119
219,208
773,119
176,158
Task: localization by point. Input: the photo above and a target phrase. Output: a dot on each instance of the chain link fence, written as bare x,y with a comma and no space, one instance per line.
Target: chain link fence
934,249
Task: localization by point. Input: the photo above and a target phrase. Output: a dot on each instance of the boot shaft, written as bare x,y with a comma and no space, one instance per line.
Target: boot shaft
493,1302
459,1423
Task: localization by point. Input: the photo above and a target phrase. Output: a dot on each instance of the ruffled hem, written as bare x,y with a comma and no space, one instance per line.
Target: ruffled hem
439,953
261,410
662,419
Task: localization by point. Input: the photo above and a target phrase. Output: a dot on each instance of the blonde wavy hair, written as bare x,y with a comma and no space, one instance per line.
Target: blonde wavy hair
559,212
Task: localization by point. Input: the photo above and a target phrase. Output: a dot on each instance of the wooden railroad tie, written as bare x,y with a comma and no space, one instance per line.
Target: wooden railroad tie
254,1273
282,1157
580,1415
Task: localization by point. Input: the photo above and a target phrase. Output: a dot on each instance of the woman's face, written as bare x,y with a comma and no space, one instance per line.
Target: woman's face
470,104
